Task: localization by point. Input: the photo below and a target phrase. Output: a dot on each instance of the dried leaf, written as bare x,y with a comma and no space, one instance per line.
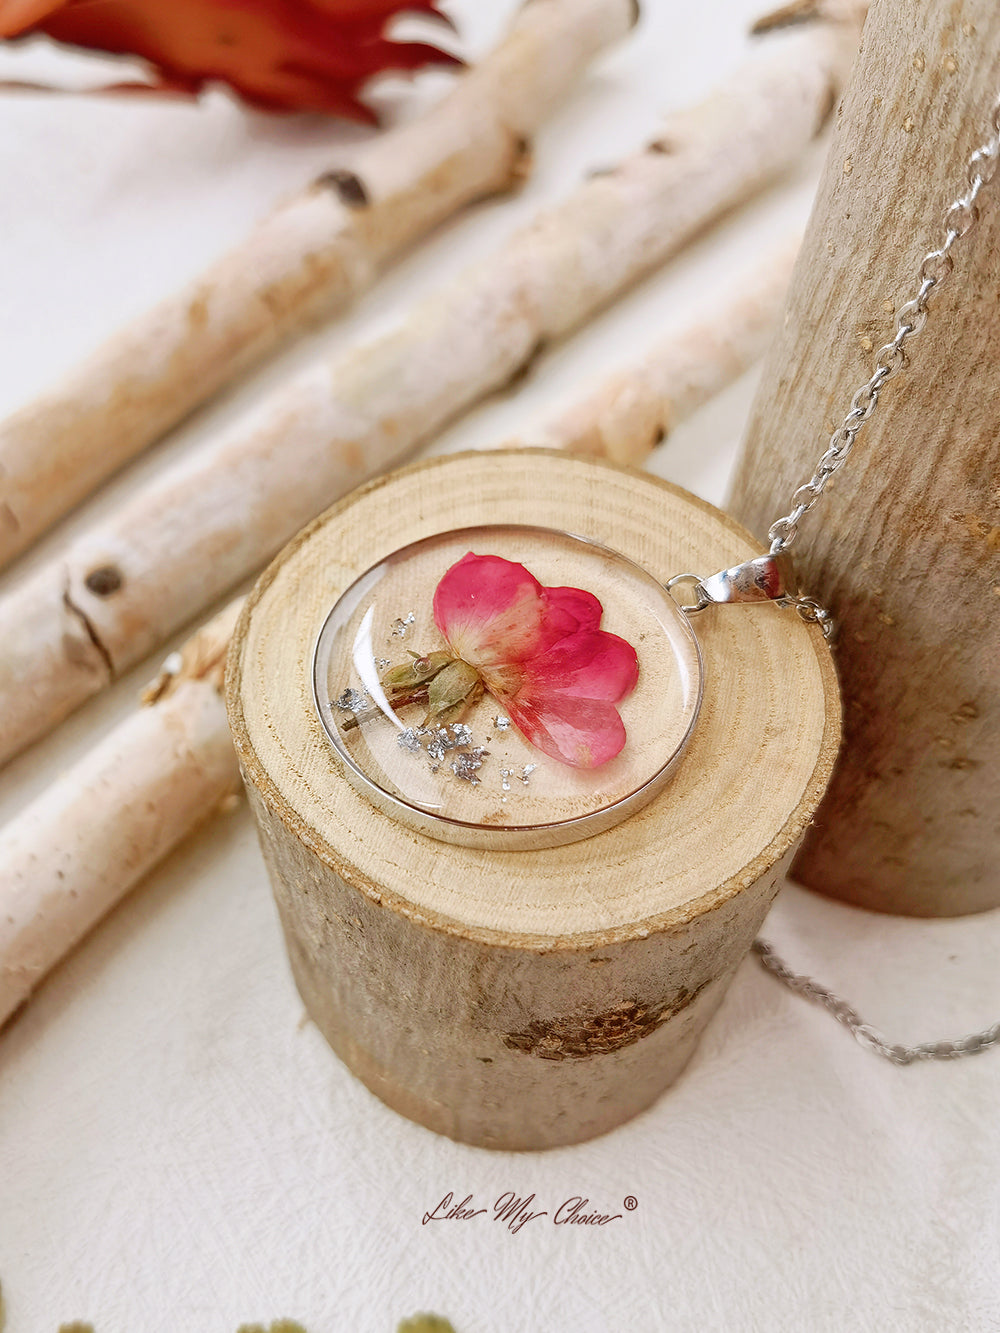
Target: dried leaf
279,55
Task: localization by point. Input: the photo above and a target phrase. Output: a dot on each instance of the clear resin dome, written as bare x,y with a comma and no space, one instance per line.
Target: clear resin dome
507,687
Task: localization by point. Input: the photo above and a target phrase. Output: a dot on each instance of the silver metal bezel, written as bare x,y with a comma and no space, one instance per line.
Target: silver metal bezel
522,837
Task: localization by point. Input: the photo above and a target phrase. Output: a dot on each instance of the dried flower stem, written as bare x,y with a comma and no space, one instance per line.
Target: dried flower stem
310,257
352,719
120,589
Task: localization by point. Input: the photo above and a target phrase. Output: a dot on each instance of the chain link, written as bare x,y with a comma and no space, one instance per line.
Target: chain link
812,613
935,268
863,1032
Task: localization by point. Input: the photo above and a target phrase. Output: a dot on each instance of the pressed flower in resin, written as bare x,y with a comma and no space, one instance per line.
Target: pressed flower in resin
481,701
539,652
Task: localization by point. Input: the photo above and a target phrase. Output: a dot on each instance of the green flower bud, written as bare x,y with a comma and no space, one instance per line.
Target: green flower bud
411,675
453,690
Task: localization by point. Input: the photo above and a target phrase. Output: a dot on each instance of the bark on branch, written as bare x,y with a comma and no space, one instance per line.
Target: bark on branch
635,409
309,258
68,858
903,548
222,511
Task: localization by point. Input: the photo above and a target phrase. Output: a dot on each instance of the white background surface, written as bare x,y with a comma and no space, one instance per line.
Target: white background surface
178,1151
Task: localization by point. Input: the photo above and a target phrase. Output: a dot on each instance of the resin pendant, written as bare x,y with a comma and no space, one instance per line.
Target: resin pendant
507,686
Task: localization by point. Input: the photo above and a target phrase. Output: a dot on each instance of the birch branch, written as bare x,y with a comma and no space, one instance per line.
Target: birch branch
85,842
310,257
635,409
75,852
219,513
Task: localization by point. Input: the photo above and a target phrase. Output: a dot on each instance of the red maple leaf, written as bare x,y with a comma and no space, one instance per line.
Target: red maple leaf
280,55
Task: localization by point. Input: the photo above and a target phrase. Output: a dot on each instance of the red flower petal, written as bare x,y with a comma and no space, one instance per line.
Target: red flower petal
565,700
581,732
17,16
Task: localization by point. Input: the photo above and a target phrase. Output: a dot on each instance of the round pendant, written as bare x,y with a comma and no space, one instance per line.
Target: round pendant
507,686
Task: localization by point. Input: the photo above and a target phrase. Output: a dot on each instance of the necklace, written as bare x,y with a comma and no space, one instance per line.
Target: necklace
561,663
936,266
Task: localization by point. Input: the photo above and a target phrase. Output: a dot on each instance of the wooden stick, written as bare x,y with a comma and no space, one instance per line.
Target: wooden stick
903,546
75,852
310,257
49,834
218,514
635,409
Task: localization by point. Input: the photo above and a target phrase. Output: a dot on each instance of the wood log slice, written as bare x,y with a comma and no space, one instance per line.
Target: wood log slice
526,999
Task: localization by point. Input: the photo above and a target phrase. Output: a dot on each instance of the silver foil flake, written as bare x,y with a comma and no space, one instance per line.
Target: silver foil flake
400,626
384,662
436,748
501,723
437,742
467,764
352,701
526,772
505,776
455,736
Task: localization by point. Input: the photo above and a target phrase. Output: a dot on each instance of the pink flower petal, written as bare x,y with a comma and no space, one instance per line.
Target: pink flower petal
581,732
564,700
492,610
571,610
489,609
591,665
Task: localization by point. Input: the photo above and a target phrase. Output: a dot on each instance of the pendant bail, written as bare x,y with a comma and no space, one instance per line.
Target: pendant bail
765,578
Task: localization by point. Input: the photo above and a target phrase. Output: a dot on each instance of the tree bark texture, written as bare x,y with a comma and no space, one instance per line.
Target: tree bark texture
904,547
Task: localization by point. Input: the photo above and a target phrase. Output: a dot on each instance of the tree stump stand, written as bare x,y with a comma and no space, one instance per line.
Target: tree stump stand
527,999
904,548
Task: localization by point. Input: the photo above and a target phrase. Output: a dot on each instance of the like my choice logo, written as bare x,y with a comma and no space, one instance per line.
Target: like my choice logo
515,1211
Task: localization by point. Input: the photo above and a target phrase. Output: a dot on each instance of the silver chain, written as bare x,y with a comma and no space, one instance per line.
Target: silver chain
935,268
863,1032
959,219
